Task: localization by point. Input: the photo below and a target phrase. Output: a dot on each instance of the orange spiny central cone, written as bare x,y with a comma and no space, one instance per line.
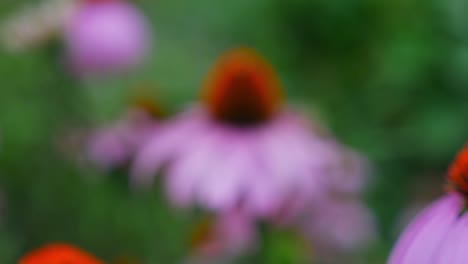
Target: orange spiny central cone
458,172
59,254
242,89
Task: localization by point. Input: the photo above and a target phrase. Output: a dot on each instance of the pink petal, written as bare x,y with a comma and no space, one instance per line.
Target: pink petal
348,172
461,252
423,237
342,224
106,148
223,186
453,248
264,199
161,148
283,156
188,170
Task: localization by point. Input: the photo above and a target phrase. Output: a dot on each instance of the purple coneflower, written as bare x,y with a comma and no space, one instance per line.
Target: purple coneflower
241,147
439,234
106,36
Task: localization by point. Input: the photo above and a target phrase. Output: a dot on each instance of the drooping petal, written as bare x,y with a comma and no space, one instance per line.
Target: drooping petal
224,186
187,173
453,247
342,225
347,171
163,147
422,239
282,156
263,198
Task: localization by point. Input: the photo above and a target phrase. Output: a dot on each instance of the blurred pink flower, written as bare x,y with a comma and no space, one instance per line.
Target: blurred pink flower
349,174
106,37
339,222
439,234
242,149
116,144
338,225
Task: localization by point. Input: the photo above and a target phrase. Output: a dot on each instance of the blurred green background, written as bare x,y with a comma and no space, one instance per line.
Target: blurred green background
390,78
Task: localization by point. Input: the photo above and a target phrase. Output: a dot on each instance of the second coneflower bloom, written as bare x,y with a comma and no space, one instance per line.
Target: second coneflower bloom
241,147
439,234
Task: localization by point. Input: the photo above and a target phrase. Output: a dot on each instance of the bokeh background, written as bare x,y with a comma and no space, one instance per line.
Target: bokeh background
389,77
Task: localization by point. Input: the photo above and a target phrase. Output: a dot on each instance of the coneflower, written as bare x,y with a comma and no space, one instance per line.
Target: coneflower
439,234
241,148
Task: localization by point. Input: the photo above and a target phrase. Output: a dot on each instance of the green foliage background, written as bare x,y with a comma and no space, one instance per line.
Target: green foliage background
390,77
